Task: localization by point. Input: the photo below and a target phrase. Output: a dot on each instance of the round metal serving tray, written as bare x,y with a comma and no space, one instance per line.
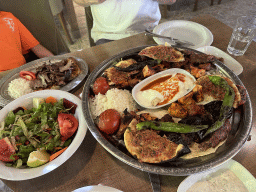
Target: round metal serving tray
178,167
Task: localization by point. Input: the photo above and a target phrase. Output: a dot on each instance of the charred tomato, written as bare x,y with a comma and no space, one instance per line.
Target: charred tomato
28,75
109,121
68,125
100,86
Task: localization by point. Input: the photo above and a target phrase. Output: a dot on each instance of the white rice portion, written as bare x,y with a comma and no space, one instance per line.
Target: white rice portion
19,87
117,99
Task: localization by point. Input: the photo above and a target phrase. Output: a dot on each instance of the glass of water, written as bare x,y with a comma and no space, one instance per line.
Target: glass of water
242,35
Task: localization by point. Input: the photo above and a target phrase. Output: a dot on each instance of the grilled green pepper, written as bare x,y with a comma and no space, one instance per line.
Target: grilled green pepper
170,127
227,104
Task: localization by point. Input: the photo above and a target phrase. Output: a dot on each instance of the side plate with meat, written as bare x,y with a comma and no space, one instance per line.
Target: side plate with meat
5,98
162,140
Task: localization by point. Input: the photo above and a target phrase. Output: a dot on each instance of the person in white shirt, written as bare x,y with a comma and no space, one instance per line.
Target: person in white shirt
117,19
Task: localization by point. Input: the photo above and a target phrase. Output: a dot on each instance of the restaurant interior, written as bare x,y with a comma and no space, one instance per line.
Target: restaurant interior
65,21
227,12
63,28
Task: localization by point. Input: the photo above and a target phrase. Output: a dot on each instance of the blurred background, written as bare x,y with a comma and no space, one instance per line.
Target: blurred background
60,25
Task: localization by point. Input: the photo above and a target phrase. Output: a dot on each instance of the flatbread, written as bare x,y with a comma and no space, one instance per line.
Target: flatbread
158,113
164,53
196,152
147,146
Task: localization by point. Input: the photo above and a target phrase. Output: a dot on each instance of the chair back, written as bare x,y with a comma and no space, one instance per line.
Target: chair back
89,23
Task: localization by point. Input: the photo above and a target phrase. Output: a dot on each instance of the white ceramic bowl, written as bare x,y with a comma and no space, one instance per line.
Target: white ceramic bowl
240,171
152,78
11,173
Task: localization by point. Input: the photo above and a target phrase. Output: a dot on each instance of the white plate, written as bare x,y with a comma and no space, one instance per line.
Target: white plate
184,30
97,188
243,174
11,173
229,61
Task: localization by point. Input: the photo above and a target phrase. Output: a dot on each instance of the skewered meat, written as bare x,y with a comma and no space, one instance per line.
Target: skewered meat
187,99
220,135
205,66
198,93
148,71
243,94
119,78
201,58
177,110
196,72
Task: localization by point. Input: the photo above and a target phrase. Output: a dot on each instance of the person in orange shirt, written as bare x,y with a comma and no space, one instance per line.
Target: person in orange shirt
15,41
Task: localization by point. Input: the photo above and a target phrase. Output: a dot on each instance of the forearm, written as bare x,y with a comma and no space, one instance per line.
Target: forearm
165,1
41,51
86,3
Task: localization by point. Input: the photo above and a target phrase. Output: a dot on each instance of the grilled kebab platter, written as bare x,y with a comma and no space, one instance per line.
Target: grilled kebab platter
167,110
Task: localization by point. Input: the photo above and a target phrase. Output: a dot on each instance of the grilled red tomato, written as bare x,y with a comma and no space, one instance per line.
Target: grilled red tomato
28,75
100,86
68,125
6,150
109,121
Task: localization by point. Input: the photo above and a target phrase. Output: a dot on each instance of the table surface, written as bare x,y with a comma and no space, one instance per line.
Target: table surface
93,165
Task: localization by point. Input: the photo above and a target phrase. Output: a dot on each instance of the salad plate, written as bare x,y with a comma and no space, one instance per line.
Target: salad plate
16,174
190,31
229,61
240,171
5,98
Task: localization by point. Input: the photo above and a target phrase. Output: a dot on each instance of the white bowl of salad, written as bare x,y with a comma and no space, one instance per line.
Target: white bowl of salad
39,132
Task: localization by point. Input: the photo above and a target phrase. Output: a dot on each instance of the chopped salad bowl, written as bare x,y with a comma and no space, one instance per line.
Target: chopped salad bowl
17,174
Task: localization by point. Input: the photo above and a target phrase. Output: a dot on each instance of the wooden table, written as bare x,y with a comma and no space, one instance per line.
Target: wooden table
93,165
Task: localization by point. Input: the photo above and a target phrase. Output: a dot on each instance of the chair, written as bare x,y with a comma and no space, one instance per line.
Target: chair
163,9
196,2
89,23
57,10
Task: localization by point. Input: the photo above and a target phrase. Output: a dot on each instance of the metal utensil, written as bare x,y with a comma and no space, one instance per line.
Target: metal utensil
155,182
176,41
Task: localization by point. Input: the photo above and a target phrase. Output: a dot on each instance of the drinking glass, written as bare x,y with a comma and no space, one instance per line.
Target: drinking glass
242,35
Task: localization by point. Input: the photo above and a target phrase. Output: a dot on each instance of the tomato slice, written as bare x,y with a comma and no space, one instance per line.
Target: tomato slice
28,75
68,125
6,150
